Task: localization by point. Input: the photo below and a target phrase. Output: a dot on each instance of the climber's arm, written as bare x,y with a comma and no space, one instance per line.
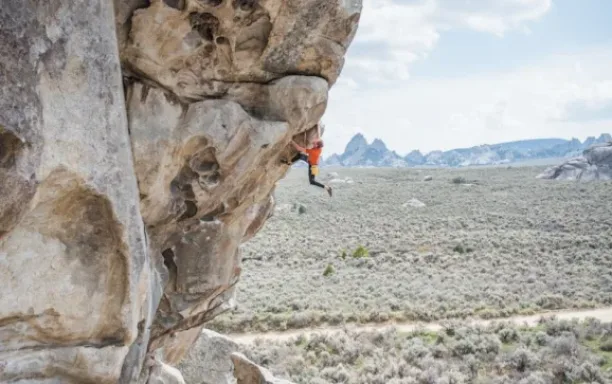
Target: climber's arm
297,147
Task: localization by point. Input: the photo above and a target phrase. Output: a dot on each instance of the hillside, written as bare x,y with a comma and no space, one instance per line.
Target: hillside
360,153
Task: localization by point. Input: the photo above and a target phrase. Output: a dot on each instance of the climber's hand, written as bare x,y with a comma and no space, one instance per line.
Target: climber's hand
298,147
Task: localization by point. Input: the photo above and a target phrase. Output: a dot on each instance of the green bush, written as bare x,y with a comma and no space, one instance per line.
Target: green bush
508,335
360,252
329,270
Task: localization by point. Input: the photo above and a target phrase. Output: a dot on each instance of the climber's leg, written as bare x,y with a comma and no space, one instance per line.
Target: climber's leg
311,179
299,156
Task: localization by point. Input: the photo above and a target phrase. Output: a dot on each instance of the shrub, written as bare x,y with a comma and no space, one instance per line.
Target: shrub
557,328
463,347
541,338
439,351
536,378
450,330
473,356
606,346
473,365
488,344
551,302
590,373
522,359
300,320
414,350
459,180
360,252
329,270
508,335
459,249
565,346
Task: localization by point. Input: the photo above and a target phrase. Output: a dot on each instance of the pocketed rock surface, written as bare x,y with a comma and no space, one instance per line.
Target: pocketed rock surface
139,147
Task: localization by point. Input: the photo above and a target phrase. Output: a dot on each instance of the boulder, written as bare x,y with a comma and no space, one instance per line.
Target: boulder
139,147
414,203
161,373
209,361
214,360
600,155
247,372
346,180
594,165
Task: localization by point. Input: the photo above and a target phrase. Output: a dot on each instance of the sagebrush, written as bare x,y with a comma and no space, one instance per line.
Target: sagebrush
509,245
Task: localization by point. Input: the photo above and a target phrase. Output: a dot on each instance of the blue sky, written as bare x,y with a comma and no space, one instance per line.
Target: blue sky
440,74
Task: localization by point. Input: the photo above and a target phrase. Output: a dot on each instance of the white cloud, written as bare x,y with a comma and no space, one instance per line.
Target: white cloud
394,34
493,16
562,96
538,100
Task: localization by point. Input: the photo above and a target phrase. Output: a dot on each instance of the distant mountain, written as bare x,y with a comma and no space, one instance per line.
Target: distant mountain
359,153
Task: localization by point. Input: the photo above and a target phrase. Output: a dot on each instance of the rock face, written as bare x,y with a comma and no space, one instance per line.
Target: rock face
595,164
74,263
139,146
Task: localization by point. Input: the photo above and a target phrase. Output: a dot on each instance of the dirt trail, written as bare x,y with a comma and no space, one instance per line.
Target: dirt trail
603,314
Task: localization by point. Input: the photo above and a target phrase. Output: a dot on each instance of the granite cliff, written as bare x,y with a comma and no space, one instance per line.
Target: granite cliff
139,146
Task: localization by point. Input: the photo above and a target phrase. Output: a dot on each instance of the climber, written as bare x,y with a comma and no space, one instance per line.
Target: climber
311,156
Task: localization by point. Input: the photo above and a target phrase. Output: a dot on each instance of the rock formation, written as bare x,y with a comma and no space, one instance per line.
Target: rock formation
139,146
359,153
231,367
210,350
247,372
595,164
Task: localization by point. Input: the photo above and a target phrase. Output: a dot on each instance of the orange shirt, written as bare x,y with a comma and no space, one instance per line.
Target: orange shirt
313,155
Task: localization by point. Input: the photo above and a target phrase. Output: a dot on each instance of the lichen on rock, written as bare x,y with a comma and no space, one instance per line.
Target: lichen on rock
140,143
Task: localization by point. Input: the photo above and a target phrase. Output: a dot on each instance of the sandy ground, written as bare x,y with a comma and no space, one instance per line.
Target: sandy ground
602,314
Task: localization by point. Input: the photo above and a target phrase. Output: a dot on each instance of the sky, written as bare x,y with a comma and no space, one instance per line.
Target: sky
443,74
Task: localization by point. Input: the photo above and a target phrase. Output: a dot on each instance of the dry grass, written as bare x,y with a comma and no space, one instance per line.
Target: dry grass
554,352
509,244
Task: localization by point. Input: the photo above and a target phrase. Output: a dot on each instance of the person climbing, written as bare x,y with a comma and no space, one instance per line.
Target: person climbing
311,156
